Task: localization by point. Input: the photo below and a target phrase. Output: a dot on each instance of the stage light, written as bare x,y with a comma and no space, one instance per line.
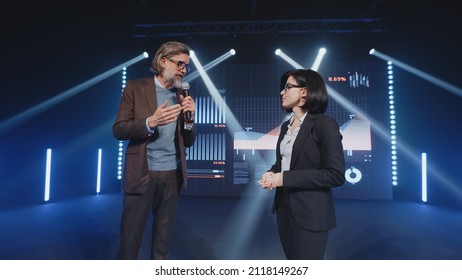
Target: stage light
120,160
392,114
424,177
121,143
18,119
289,60
47,175
318,59
209,65
418,73
405,148
293,63
98,172
223,109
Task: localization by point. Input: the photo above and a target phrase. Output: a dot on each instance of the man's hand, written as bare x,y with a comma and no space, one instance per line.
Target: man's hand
188,105
164,115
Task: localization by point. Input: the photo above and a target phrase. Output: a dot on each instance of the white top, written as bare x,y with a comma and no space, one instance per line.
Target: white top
288,142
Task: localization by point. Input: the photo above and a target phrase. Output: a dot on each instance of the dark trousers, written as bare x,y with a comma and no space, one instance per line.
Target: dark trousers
161,198
297,242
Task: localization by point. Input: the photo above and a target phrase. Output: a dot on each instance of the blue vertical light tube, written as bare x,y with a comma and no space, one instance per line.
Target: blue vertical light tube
47,176
424,177
98,176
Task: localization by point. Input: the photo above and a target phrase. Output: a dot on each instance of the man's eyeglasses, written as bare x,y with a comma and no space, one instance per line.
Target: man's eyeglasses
289,86
180,65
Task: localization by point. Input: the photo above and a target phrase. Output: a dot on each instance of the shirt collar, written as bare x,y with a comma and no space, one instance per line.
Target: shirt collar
303,117
157,82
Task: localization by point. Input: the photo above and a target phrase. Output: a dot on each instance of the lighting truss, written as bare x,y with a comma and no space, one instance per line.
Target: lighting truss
365,25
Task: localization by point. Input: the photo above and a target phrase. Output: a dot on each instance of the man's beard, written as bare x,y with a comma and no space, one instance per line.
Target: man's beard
174,80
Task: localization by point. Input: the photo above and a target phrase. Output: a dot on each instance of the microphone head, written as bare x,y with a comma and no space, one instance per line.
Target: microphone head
185,85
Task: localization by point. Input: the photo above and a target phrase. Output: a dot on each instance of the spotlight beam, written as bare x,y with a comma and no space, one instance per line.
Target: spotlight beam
247,211
31,112
214,92
316,63
381,130
288,59
418,73
318,60
403,147
210,65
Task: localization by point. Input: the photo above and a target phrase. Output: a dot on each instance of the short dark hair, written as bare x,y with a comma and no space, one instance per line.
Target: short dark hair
317,97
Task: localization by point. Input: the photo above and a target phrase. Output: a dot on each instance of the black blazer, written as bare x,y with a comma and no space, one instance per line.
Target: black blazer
139,102
317,165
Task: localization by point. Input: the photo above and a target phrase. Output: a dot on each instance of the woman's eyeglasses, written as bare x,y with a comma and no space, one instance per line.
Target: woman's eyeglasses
289,86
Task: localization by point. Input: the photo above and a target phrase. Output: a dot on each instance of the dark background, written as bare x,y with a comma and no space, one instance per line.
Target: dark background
48,48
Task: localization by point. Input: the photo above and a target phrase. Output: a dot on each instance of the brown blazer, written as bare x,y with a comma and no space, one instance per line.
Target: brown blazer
137,103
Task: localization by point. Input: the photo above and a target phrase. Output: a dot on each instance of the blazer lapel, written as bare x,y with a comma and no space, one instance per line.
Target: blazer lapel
284,128
305,131
150,91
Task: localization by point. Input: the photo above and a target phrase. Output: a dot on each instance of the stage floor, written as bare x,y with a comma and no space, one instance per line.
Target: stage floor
87,228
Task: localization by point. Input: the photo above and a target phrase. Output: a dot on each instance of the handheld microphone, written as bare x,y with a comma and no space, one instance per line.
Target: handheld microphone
185,89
